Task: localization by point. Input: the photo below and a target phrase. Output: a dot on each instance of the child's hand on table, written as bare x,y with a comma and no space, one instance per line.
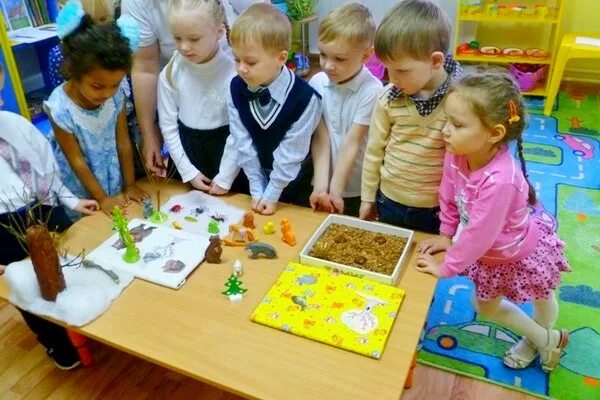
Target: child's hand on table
320,201
337,202
133,192
434,245
428,264
201,182
87,207
108,203
367,211
216,190
265,207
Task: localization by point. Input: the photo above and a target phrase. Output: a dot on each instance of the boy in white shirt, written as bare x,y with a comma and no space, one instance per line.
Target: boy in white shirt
349,92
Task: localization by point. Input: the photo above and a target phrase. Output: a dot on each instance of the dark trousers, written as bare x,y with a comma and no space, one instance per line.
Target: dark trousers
298,191
421,219
204,148
49,334
352,206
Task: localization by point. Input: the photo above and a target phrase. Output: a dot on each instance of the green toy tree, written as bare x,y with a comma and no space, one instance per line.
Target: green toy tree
234,286
132,254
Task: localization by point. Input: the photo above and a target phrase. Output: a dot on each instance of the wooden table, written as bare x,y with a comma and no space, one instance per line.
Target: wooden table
198,332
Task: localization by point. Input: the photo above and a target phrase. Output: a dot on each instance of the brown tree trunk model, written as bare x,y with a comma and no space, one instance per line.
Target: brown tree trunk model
45,261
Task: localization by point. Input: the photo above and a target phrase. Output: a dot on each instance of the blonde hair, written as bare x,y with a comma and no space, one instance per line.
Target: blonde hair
214,8
351,22
490,94
414,28
264,25
101,11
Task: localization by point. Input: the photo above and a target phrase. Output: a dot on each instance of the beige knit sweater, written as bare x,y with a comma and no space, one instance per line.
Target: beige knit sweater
405,153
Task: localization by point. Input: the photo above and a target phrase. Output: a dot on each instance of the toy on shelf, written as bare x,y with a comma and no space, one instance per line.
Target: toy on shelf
269,228
528,76
468,48
214,250
256,249
132,253
248,221
239,236
287,235
147,209
213,227
234,289
490,51
237,268
537,53
512,52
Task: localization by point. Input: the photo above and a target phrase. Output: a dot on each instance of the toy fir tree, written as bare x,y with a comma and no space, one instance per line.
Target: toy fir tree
132,254
234,287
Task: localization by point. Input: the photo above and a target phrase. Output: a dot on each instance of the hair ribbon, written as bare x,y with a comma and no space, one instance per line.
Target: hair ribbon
514,115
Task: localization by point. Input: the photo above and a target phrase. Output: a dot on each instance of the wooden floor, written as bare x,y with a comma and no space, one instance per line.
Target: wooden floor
27,373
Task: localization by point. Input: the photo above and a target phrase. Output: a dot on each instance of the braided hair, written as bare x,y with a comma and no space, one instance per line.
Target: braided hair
496,99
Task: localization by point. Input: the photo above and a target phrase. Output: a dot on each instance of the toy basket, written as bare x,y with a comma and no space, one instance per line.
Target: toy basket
528,76
376,67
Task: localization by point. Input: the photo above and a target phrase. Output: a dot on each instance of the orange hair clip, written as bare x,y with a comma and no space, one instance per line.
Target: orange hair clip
514,116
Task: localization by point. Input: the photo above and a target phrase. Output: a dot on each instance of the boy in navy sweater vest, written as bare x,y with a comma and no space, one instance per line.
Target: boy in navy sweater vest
272,114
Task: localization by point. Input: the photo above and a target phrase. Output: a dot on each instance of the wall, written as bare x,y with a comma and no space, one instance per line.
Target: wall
580,16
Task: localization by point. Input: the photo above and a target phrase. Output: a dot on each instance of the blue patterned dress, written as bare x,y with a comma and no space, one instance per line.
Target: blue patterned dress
95,131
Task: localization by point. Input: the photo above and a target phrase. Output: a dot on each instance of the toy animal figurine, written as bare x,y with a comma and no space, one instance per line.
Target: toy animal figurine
239,236
248,221
214,250
176,208
258,248
269,228
148,208
238,268
286,232
176,225
213,227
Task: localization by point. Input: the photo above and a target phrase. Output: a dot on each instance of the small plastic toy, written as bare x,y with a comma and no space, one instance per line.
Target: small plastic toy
147,208
269,228
132,253
176,225
239,236
248,221
213,227
234,289
214,250
256,249
286,232
176,208
238,268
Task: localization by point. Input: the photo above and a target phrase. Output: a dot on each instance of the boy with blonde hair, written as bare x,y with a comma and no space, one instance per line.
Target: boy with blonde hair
402,169
272,114
349,92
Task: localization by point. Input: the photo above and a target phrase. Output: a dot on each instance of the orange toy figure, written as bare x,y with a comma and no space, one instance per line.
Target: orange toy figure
286,232
248,221
239,236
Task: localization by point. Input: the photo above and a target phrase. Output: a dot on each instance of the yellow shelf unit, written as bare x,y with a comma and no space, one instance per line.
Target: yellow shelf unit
522,31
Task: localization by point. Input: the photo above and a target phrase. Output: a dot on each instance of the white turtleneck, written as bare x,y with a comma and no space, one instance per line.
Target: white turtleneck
196,94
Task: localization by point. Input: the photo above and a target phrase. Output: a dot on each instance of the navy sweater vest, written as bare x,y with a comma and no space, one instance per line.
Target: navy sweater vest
267,140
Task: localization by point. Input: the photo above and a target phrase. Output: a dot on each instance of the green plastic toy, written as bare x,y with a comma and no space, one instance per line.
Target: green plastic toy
132,253
213,227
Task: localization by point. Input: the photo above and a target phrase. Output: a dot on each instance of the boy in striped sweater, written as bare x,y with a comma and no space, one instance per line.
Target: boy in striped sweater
402,169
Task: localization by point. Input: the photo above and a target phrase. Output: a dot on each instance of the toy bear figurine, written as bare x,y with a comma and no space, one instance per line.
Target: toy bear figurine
214,250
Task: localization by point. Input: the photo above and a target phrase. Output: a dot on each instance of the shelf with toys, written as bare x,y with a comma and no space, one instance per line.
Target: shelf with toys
523,36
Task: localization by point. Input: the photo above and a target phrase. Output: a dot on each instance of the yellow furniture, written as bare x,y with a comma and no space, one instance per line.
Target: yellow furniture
572,46
503,24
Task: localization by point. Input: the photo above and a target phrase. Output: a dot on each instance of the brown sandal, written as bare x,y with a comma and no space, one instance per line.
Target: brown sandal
550,356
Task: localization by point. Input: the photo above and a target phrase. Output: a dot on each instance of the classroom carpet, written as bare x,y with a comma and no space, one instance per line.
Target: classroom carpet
563,162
